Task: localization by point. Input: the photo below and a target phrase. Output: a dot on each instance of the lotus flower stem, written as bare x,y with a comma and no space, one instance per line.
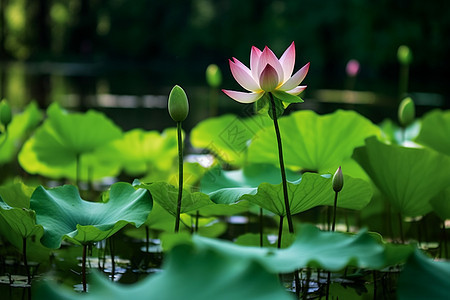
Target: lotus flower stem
180,176
25,261
197,216
283,172
83,268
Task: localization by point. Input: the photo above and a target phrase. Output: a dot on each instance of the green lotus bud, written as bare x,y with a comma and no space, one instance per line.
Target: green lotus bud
178,104
338,180
5,113
213,76
404,55
406,112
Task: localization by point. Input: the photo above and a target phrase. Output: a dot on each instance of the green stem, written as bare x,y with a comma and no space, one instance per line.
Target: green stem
261,227
25,260
78,170
403,81
283,172
5,137
280,232
180,177
400,223
111,252
197,217
334,211
147,239
83,268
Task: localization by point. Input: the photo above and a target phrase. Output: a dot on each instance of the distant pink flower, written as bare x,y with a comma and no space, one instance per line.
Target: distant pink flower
352,68
267,73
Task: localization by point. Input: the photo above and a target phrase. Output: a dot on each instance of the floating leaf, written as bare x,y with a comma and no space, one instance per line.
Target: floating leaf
435,132
312,248
310,191
203,275
409,177
64,215
57,143
227,136
313,142
423,278
20,127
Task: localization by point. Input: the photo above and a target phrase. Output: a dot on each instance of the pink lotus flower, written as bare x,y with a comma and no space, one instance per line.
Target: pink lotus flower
267,73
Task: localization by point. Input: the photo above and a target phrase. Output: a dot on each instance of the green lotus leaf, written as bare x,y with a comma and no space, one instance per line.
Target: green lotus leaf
140,151
56,144
20,127
312,248
313,142
166,196
225,188
228,136
64,215
435,132
310,191
21,220
203,275
441,204
424,278
409,177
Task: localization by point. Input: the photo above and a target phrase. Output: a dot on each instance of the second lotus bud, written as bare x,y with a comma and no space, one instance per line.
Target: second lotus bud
338,180
178,104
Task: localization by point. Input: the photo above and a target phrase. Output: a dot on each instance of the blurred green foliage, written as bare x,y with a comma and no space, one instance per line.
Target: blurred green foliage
324,31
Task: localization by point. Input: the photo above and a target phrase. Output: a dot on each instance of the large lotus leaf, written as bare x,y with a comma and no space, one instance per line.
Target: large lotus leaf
140,151
16,194
313,142
424,278
228,136
310,191
189,273
65,215
166,196
435,132
20,126
56,144
312,248
21,220
409,177
441,204
227,187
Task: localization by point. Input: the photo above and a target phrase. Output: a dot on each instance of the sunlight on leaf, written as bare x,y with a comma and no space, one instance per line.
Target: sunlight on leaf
313,142
53,149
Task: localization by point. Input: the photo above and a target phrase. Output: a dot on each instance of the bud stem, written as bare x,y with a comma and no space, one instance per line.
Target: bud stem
334,212
283,172
180,176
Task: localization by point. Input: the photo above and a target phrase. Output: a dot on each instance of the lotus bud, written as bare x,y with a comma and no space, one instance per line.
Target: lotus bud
352,68
5,113
406,112
338,180
213,76
178,104
404,55
268,80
